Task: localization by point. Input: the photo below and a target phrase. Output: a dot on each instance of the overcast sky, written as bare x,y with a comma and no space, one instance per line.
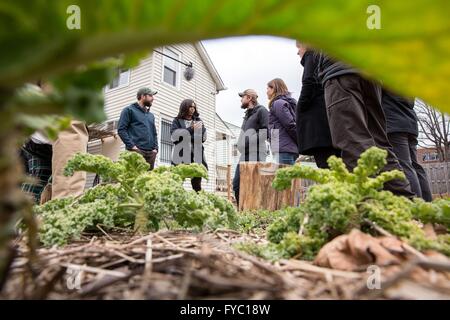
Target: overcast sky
251,62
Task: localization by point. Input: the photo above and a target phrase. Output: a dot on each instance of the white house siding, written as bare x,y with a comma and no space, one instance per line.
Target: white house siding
234,158
222,150
223,154
118,98
201,88
223,147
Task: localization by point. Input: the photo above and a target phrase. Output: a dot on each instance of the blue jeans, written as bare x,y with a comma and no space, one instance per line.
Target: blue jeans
286,157
236,183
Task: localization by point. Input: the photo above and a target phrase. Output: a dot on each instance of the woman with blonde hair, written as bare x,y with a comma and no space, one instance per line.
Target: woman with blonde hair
283,134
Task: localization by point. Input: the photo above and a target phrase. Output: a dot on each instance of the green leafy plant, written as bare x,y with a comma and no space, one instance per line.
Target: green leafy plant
342,201
41,45
257,221
133,197
437,212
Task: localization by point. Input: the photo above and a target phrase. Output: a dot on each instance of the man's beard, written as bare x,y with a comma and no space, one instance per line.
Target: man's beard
244,106
147,104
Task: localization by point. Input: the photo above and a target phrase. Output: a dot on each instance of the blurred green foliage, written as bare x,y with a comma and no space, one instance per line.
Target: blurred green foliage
410,53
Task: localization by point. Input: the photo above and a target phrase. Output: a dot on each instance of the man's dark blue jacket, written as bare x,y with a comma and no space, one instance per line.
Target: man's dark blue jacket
137,128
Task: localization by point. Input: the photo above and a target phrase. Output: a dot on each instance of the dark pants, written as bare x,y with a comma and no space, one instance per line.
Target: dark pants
149,156
236,182
321,156
357,122
286,157
405,148
196,184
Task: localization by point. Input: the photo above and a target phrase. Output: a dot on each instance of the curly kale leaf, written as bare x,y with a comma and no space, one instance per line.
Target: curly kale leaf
342,201
132,165
185,171
288,221
99,164
437,211
60,226
284,176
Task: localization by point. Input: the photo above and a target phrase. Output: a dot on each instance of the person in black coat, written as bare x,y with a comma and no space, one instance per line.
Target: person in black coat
402,131
188,134
313,130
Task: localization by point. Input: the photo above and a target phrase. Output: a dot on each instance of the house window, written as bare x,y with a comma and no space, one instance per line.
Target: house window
235,150
122,80
431,156
171,67
166,145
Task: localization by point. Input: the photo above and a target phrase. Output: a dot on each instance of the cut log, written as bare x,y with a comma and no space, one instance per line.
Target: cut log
256,191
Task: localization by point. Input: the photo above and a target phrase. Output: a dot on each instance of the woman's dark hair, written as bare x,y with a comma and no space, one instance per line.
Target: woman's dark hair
184,109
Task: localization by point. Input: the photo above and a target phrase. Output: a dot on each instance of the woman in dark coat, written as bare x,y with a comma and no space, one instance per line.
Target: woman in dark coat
313,130
283,138
188,128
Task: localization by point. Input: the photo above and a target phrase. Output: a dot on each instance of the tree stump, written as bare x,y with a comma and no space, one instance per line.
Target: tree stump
256,191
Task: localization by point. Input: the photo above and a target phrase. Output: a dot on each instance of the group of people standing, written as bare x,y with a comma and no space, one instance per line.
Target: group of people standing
137,130
339,112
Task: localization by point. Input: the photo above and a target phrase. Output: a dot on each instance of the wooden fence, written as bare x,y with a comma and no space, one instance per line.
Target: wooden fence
439,177
256,190
223,180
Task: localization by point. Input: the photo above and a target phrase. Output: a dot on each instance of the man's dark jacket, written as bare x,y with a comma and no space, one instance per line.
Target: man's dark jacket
400,114
255,125
137,128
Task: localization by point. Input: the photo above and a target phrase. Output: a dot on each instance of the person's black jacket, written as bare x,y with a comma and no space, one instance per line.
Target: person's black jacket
43,151
313,130
329,68
137,128
179,124
400,114
255,125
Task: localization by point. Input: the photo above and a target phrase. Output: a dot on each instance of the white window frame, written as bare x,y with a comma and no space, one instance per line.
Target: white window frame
120,86
178,68
162,118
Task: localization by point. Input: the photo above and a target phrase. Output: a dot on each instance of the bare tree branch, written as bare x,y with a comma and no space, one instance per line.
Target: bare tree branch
434,127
